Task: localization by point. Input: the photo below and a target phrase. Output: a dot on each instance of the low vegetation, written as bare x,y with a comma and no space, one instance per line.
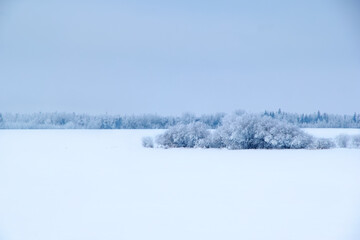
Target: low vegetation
243,131
347,141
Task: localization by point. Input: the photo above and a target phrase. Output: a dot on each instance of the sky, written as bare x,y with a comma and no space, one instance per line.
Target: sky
171,57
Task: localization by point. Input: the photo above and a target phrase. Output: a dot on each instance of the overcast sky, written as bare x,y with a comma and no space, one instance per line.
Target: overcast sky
170,57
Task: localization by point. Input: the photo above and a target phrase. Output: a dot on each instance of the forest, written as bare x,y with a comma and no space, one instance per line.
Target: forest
58,120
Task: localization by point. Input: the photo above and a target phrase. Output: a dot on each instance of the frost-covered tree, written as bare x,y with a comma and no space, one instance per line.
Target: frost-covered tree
59,120
317,119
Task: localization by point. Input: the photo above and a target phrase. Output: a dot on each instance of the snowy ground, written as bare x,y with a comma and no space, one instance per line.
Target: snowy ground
98,184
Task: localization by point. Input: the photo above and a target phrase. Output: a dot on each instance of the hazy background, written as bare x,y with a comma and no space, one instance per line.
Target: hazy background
170,57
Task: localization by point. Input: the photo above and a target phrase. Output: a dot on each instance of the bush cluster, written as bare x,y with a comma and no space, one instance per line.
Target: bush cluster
242,132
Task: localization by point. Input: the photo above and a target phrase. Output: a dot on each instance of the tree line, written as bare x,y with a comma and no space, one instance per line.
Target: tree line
59,120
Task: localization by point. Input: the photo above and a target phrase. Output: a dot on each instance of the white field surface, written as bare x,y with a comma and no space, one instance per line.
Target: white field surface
103,185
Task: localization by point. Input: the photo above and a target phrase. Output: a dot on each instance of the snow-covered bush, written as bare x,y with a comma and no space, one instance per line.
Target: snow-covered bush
347,141
213,140
342,141
355,141
184,136
256,132
323,143
148,142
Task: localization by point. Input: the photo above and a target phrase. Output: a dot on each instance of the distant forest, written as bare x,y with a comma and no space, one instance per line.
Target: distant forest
152,121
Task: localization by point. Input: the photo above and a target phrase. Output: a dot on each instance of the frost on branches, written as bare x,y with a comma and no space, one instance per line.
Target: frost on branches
241,132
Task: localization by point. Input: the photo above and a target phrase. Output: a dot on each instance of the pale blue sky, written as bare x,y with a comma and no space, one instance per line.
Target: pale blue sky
169,57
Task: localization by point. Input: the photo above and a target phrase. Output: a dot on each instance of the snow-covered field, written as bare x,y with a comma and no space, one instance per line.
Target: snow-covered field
102,184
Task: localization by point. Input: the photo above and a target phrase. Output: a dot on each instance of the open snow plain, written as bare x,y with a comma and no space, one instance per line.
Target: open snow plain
102,184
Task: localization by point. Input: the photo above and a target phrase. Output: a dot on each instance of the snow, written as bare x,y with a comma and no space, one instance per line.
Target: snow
102,184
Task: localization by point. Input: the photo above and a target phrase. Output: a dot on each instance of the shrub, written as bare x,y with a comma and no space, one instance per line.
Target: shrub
355,141
180,136
148,142
323,143
342,141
